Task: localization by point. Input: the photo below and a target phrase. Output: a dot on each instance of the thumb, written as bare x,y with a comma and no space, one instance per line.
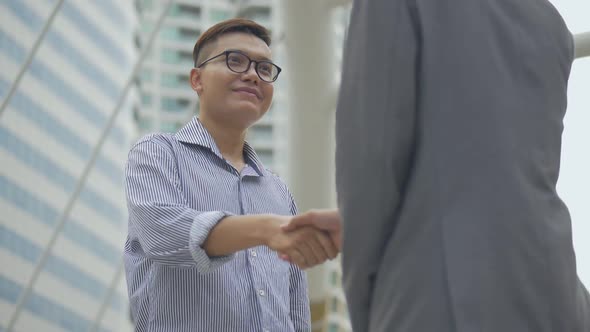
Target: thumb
294,223
290,226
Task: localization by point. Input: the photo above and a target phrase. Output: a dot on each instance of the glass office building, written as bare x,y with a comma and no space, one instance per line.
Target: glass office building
48,131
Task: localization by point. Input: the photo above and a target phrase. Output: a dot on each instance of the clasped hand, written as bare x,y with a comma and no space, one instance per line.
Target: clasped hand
308,239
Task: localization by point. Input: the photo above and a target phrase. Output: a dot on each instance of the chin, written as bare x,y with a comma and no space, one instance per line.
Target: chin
245,115
249,107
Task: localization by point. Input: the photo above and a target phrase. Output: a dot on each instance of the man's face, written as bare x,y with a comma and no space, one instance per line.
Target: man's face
236,99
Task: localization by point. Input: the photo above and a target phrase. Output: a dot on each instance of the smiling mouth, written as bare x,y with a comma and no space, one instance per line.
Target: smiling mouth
247,93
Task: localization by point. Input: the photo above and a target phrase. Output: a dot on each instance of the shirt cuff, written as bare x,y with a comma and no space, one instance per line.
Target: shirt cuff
200,229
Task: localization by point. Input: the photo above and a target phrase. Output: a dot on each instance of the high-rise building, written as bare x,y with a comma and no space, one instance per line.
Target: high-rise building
48,132
168,102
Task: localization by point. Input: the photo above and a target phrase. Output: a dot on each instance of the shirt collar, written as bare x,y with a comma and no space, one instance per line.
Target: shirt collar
195,133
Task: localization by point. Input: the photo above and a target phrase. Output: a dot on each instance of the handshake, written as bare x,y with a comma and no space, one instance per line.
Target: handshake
307,239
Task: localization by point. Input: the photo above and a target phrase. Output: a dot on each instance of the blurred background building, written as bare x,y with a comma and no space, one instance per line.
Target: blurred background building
47,134
56,117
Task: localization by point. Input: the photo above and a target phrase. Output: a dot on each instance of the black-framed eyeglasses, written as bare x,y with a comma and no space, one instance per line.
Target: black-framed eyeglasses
239,62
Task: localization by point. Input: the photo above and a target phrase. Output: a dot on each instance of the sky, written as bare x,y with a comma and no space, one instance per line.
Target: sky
574,182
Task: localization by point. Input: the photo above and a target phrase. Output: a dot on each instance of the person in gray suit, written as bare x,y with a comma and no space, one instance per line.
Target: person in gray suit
448,132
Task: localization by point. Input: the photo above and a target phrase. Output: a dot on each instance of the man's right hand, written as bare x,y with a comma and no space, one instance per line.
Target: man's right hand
306,246
326,220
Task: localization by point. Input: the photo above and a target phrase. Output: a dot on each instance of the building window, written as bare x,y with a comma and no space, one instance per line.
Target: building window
169,80
146,99
217,15
185,58
261,133
258,14
188,35
145,4
146,75
145,123
146,27
334,278
174,80
335,304
174,105
169,33
170,56
333,327
186,11
170,127
266,157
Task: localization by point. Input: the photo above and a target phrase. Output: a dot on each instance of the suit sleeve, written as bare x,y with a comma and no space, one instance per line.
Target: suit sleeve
375,136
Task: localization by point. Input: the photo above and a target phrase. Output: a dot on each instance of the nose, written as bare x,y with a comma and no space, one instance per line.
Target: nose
250,73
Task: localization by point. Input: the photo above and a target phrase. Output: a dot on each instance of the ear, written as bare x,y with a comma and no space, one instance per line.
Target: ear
195,80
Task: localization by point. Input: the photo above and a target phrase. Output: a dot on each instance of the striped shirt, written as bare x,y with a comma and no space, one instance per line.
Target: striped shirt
178,187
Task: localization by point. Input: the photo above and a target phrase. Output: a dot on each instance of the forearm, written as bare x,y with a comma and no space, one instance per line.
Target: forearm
235,233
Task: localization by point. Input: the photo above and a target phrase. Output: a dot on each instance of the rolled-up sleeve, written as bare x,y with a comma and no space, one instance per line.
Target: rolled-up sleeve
168,231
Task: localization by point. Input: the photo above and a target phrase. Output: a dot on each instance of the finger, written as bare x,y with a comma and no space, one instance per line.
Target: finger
297,258
285,257
327,244
295,223
308,250
333,220
337,239
327,220
316,247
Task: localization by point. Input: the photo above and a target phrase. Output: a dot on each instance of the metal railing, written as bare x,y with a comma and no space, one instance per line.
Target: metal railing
30,56
582,42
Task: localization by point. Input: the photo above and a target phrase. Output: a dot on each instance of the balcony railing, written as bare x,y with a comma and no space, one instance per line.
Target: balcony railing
582,41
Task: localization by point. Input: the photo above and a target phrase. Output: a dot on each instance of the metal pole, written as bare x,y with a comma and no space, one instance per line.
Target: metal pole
311,159
30,57
107,299
582,42
82,180
337,3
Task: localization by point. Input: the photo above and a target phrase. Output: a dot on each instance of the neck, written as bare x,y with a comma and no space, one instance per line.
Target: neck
230,141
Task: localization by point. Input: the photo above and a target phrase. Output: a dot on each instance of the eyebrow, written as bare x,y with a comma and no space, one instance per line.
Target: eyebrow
244,52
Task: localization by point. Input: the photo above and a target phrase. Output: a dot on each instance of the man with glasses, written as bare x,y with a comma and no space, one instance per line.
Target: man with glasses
205,216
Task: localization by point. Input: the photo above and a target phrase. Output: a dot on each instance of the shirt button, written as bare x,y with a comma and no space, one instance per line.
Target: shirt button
261,292
253,253
265,330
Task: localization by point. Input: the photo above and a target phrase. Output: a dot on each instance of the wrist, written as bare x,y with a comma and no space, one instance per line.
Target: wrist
269,226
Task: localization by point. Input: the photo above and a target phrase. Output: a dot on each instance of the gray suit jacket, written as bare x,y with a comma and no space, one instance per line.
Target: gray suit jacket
449,127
